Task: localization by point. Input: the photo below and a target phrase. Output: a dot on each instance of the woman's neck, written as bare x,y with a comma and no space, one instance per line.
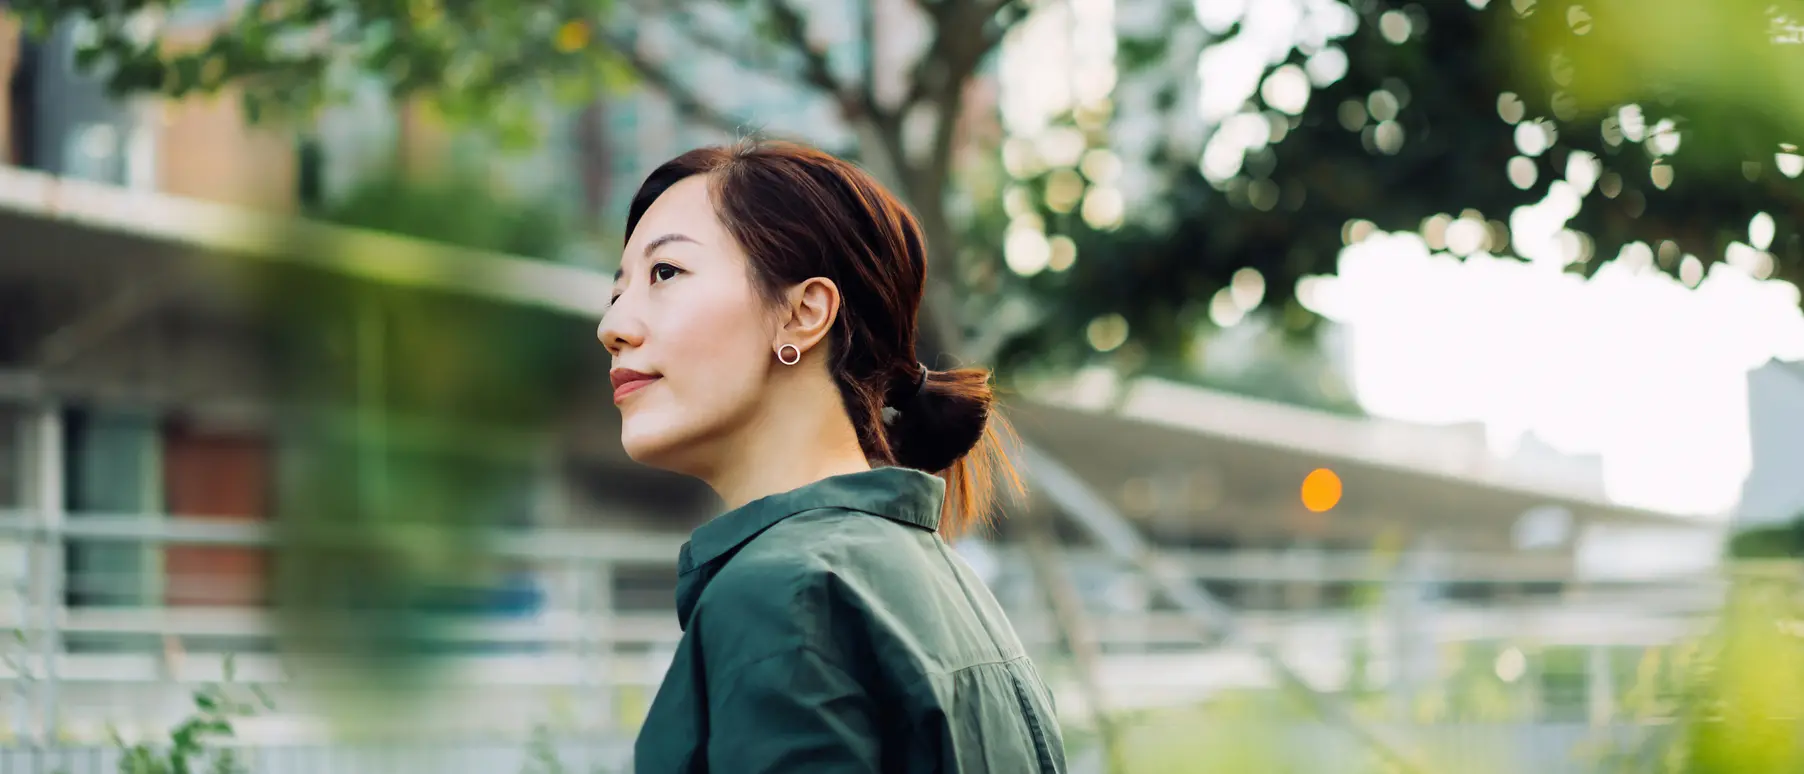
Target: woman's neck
791,444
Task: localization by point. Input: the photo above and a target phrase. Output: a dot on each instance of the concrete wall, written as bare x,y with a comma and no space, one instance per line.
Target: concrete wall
206,149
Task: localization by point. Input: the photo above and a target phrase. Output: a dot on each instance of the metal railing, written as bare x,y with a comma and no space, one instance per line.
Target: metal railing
581,638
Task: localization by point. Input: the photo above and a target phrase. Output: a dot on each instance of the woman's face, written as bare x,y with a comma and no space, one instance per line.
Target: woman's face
690,336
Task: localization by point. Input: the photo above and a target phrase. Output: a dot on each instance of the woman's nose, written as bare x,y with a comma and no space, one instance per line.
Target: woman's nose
617,330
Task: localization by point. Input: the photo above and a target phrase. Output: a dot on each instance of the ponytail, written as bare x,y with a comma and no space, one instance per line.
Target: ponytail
948,426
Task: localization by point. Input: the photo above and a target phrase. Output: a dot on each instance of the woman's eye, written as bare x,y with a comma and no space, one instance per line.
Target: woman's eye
664,271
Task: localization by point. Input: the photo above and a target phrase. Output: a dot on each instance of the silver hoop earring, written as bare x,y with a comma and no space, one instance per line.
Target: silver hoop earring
791,360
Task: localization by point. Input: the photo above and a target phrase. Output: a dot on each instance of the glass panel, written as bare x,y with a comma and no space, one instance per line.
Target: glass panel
12,457
15,472
93,152
111,470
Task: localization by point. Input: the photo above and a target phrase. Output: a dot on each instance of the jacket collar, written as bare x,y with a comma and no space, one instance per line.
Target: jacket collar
899,494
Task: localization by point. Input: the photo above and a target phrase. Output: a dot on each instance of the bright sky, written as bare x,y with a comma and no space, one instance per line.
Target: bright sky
1632,364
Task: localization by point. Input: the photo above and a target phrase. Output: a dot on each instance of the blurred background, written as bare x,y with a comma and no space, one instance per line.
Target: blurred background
1402,386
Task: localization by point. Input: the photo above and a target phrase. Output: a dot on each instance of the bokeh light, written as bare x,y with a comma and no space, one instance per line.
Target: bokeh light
1321,490
1107,333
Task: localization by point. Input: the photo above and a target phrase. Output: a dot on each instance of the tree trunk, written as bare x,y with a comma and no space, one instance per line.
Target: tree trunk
941,332
922,187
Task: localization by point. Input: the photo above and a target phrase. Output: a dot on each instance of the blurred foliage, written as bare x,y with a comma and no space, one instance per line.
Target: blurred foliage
1437,102
412,421
1260,731
1731,72
1745,711
193,744
542,756
1731,701
1778,541
461,207
489,62
1688,109
1725,74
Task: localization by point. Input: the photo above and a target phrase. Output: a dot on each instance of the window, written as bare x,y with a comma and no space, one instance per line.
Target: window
93,151
12,458
15,467
112,468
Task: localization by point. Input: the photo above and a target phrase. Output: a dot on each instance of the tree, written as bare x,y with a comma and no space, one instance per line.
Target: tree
1413,111
1439,118
1784,540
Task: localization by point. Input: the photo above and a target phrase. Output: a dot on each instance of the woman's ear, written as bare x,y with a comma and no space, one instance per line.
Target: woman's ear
810,307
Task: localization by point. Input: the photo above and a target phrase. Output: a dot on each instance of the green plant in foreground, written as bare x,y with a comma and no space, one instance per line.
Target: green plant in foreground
541,754
190,748
542,757
1730,701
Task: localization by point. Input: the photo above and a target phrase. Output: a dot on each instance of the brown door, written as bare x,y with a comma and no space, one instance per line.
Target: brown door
223,477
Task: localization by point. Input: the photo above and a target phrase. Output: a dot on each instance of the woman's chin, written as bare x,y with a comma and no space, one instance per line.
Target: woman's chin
642,452
650,449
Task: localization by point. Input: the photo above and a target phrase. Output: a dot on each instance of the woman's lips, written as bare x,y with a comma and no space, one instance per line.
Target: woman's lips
627,382
630,387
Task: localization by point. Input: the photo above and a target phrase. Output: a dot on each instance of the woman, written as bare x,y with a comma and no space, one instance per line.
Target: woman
763,340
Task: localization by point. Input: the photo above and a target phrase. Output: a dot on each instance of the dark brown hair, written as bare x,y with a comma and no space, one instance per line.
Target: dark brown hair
800,213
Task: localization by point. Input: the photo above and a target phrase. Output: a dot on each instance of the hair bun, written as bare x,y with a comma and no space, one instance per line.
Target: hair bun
906,392
942,419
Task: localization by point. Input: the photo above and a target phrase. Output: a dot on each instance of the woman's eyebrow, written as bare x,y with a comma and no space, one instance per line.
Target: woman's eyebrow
652,247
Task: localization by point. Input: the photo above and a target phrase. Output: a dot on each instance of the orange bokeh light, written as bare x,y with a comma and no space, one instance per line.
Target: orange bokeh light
572,36
1321,490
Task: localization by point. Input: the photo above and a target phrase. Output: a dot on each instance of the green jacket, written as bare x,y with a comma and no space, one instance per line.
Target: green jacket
830,629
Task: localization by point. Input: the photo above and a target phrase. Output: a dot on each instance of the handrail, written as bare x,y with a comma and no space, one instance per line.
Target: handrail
547,543
555,544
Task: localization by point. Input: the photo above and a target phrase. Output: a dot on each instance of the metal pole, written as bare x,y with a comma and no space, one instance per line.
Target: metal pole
598,626
1600,685
20,696
1109,527
1074,628
47,565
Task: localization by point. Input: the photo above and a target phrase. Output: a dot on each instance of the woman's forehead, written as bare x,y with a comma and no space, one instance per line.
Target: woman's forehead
684,214
686,208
